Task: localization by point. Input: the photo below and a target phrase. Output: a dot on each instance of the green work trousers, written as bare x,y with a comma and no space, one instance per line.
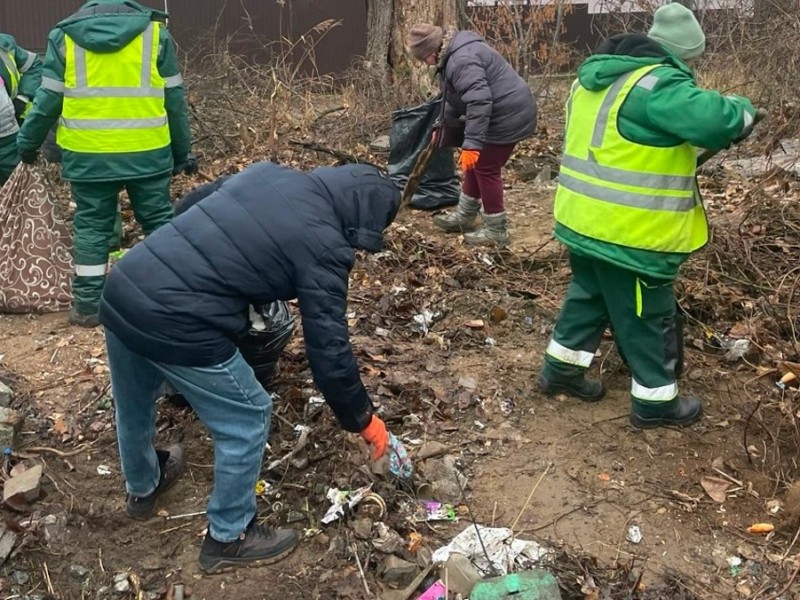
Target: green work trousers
94,222
643,316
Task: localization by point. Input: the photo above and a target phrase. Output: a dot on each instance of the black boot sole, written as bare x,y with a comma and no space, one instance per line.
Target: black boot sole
653,422
552,389
228,564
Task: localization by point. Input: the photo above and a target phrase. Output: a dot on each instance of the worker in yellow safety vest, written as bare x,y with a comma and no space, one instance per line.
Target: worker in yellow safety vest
20,77
111,80
628,208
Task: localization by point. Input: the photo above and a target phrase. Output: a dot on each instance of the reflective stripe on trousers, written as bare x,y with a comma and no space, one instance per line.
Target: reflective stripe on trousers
579,358
91,270
665,393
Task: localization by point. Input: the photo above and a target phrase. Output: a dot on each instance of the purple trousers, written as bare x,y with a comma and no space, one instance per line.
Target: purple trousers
485,181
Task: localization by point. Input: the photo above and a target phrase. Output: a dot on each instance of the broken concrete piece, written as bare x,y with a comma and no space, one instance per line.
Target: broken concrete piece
24,488
6,395
8,540
10,424
398,572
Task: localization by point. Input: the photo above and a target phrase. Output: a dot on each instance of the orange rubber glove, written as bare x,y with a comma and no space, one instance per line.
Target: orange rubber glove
468,159
377,436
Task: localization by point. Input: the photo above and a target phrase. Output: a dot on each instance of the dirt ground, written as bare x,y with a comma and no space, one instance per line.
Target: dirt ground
575,475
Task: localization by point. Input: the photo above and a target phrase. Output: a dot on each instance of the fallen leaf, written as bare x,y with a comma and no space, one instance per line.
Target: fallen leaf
497,314
60,427
716,488
604,476
761,528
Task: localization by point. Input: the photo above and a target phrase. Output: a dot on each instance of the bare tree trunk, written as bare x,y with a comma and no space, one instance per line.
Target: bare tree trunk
379,28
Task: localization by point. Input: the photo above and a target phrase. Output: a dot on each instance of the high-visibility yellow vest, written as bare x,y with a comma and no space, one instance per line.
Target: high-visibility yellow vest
621,192
114,102
10,64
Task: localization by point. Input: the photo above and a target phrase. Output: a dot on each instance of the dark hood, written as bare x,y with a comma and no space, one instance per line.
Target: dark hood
622,54
364,199
108,25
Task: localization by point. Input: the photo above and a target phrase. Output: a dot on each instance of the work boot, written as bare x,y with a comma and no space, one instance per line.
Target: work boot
583,388
493,233
462,218
87,320
171,463
683,410
258,544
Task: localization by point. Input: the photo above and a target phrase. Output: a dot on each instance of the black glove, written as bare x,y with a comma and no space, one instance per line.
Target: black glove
191,167
28,156
188,166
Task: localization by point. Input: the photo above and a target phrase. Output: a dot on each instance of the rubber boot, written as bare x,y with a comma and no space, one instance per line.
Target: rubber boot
493,233
462,218
683,410
583,388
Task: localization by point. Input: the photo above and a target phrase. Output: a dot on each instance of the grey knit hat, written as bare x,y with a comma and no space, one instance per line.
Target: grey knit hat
424,39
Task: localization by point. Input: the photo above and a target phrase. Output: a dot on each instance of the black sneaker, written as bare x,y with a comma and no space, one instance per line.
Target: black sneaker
259,544
87,320
172,466
588,390
683,410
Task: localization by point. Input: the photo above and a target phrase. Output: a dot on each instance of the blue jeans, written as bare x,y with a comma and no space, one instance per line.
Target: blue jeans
228,400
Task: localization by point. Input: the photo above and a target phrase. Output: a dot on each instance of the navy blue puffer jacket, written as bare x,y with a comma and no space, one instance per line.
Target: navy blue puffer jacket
269,233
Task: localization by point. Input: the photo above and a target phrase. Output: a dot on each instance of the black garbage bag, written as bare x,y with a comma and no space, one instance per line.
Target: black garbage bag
411,132
271,328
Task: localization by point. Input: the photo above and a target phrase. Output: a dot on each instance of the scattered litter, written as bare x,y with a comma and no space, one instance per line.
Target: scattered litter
314,405
414,542
774,506
490,341
343,500
103,470
388,540
786,380
380,331
506,406
536,584
460,575
400,464
431,510
121,583
479,425
264,488
761,528
475,324
505,552
734,565
436,592
734,348
422,321
634,534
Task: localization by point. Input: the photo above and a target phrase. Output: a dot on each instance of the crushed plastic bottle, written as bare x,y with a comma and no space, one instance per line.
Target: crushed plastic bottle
400,464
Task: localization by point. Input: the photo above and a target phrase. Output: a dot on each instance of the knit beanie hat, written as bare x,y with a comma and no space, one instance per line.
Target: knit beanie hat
675,28
423,40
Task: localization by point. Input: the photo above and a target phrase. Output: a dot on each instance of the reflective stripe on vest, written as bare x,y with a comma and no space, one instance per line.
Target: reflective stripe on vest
113,102
13,71
622,192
